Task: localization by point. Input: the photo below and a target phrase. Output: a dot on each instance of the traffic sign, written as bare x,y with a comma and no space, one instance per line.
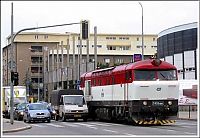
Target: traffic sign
137,57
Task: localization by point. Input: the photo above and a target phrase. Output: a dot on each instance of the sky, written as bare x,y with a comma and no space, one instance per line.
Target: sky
113,17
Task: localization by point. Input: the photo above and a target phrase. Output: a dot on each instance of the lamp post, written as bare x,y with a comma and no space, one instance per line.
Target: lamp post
13,36
142,33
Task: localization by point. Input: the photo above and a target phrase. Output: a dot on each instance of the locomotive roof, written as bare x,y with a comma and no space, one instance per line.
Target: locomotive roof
148,64
144,64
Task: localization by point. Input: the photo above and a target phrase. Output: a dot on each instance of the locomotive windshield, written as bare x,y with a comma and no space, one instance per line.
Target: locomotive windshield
152,75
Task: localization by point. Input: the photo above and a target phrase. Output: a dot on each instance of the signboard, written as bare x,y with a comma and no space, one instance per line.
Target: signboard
137,57
18,92
188,92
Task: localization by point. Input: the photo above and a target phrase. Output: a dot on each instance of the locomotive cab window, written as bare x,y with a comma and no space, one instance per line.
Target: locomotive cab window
143,75
167,75
152,75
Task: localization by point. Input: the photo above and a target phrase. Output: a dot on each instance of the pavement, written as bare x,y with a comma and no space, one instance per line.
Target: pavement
16,126
20,125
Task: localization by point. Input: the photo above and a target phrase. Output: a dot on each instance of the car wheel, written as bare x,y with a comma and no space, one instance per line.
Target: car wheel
28,118
49,120
24,119
63,118
85,119
56,117
18,118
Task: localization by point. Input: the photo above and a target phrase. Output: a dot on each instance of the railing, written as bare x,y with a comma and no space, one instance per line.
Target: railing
188,112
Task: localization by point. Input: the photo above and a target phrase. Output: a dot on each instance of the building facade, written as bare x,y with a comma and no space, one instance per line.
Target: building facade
40,58
178,46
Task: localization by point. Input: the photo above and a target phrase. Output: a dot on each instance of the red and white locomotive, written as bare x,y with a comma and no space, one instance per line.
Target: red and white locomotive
144,92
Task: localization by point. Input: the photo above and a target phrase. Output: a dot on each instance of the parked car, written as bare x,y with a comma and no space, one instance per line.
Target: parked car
19,111
36,112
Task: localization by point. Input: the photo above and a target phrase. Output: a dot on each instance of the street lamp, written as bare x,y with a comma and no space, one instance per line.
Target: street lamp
13,36
142,33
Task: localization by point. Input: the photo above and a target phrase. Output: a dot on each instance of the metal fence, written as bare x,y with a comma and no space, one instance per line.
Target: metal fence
188,112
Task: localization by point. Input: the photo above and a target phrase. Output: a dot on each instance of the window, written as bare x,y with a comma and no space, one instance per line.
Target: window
140,46
145,75
138,39
127,48
70,60
99,46
36,36
154,39
36,48
123,38
107,60
45,36
111,38
82,46
153,46
167,75
119,60
111,47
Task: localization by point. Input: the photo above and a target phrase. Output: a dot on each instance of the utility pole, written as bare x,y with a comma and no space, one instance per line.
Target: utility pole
74,72
78,64
68,63
11,70
57,67
62,65
48,70
52,68
95,47
81,67
87,60
142,33
27,85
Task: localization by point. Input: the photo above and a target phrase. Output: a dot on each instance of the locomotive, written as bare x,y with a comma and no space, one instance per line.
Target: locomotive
144,92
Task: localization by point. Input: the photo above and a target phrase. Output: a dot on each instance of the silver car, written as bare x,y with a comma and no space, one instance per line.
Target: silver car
36,112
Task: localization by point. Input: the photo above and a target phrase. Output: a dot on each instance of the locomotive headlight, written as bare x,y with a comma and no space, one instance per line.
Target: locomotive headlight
170,102
144,102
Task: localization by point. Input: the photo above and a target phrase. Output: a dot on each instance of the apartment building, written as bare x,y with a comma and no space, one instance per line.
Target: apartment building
38,56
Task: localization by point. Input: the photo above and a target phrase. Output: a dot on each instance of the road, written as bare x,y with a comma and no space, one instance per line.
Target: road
95,128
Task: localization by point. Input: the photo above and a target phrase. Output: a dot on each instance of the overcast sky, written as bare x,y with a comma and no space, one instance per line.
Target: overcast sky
121,17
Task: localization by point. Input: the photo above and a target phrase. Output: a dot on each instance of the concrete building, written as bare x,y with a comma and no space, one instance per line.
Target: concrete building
38,56
178,45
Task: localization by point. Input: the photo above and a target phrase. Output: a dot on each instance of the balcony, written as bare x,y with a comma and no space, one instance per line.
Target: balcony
36,74
36,64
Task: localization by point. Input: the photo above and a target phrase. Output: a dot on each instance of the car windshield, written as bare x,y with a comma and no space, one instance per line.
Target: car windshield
74,100
37,107
21,106
152,75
